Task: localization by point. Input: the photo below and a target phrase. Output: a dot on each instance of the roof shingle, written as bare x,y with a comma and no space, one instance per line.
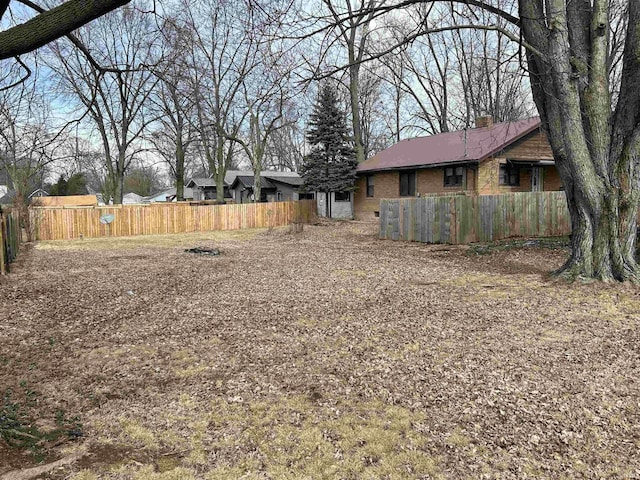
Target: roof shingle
471,145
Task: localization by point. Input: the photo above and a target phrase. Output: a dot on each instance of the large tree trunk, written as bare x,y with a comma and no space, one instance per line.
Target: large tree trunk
595,149
603,236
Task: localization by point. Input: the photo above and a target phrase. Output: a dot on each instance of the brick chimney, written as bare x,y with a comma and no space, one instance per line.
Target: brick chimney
484,122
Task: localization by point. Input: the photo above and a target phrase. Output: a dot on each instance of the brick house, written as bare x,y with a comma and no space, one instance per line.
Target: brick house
491,158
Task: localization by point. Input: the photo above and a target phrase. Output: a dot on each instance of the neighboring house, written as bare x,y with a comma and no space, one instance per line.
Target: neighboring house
37,193
488,159
275,187
132,198
242,189
238,185
169,196
205,189
8,197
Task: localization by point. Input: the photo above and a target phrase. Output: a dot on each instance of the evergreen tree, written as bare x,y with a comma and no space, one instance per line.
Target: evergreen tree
331,164
76,185
59,188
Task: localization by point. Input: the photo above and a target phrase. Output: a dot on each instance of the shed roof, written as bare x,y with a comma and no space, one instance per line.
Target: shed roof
470,145
292,180
247,181
201,182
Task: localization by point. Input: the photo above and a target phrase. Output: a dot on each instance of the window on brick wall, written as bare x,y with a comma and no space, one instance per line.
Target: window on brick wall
453,176
407,184
509,175
370,190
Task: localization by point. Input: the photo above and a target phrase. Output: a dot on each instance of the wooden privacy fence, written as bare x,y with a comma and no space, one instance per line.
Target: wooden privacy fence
463,219
9,240
63,223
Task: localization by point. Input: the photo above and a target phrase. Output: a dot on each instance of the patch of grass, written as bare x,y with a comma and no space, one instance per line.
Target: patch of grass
148,473
553,243
157,241
19,430
138,433
84,475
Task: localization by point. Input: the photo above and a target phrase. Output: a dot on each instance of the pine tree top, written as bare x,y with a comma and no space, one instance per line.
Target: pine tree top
332,162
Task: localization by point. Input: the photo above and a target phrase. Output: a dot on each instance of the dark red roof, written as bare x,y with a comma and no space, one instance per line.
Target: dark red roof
471,145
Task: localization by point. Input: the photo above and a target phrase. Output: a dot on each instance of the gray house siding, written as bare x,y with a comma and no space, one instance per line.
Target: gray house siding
338,208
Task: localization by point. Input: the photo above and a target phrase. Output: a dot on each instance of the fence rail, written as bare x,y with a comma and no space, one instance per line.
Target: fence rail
65,223
9,240
463,219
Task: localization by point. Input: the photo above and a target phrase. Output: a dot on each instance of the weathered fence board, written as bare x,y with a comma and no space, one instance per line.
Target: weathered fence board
64,223
459,219
9,240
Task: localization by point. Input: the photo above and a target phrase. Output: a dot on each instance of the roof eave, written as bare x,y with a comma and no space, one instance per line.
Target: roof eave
510,142
421,166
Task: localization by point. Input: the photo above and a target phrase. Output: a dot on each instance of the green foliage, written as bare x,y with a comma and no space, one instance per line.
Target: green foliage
331,164
20,431
75,185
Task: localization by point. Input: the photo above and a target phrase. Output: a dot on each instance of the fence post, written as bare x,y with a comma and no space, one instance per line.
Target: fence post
3,259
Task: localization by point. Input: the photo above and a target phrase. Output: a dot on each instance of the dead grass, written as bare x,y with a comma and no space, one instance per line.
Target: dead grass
153,241
322,355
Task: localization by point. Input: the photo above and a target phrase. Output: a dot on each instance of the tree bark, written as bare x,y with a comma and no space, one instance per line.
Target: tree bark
53,24
595,149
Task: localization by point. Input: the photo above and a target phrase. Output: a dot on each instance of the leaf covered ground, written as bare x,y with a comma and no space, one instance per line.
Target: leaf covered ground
327,354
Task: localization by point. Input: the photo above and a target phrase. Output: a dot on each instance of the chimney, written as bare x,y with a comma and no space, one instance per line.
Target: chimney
484,122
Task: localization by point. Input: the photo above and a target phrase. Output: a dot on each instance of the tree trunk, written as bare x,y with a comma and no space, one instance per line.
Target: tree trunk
595,148
179,171
257,185
119,180
355,109
220,170
603,237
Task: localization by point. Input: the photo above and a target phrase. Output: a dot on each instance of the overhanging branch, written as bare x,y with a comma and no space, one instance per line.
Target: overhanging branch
411,38
53,24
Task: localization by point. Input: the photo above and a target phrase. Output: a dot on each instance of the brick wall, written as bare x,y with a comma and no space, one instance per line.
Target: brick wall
386,185
551,179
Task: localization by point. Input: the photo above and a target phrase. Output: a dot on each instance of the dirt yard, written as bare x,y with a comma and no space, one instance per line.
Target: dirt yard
323,355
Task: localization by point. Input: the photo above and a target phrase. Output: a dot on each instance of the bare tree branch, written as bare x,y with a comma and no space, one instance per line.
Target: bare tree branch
53,24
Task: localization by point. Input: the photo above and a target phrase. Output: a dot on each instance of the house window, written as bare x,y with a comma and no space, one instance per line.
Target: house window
509,175
370,186
278,196
305,196
407,184
453,176
342,196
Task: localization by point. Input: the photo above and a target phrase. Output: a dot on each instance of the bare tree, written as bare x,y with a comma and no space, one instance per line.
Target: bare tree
28,140
223,54
453,76
174,133
116,101
353,21
285,148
